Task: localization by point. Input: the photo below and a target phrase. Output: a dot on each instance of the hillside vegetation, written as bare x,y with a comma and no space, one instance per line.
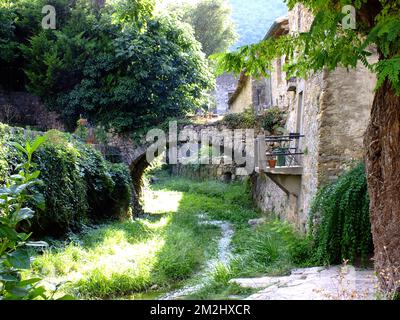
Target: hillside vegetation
253,18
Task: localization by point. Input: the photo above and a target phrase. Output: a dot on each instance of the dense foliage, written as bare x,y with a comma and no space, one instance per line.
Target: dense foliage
79,186
340,222
272,120
119,66
211,21
15,197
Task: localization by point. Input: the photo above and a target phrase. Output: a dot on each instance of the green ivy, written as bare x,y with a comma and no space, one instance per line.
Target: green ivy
15,196
340,222
79,185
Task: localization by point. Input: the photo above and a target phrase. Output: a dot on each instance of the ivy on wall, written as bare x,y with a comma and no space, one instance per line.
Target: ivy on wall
340,221
79,185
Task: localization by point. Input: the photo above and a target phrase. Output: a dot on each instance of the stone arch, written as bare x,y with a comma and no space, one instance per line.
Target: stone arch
137,169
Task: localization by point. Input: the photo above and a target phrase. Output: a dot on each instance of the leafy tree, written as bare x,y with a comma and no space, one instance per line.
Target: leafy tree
328,45
20,20
117,65
212,24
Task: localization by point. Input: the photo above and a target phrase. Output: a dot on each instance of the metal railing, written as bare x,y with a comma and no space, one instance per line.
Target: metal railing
285,149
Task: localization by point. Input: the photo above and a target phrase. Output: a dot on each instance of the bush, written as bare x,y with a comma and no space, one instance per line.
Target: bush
271,120
340,223
244,120
15,195
79,186
120,66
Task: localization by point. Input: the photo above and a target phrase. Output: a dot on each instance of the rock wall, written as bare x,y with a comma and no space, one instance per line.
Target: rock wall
226,84
224,173
24,109
332,110
268,197
345,111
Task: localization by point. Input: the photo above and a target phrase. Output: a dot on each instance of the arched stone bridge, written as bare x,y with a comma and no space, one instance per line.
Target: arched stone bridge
134,155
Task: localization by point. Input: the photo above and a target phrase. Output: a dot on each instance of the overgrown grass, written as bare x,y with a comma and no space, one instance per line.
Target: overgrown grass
168,247
273,248
121,259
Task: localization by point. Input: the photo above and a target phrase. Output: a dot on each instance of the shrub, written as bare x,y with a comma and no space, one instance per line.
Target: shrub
340,224
272,120
15,197
79,186
244,120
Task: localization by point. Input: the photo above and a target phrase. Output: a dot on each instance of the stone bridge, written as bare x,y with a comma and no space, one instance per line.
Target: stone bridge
133,153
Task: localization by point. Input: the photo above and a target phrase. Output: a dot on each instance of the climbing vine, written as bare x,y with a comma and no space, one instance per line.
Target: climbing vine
340,223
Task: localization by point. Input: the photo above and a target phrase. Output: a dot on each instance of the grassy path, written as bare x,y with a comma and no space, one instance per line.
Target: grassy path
186,239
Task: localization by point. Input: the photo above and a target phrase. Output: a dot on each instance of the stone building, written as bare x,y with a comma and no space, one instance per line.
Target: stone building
331,110
225,86
262,94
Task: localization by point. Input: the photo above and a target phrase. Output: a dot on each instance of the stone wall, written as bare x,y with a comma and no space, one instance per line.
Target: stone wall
279,96
24,109
268,197
333,117
224,173
345,111
226,84
244,99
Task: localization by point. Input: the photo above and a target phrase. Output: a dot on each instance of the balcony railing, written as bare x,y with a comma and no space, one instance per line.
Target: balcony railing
284,149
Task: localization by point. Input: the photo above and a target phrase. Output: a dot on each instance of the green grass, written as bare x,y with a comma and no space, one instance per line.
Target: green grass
169,247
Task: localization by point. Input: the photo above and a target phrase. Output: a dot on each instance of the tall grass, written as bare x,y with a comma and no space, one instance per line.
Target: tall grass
170,246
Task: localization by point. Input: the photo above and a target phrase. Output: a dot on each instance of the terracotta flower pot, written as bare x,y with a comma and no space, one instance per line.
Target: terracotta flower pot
272,163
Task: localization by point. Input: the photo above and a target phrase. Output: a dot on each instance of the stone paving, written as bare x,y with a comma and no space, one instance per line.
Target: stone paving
334,283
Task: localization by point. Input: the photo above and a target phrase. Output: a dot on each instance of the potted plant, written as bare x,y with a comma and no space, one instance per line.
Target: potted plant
272,162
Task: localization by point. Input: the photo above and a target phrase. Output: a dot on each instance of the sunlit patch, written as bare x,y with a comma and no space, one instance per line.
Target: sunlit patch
157,202
156,225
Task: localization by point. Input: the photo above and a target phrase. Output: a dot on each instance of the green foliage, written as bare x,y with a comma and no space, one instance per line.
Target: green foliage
244,120
119,66
19,20
327,44
271,120
273,248
340,224
79,186
169,247
15,196
211,22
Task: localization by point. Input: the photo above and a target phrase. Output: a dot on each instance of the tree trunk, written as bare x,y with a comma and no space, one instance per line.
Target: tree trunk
383,171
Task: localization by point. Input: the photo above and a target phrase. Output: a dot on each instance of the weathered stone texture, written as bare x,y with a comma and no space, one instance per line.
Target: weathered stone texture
268,197
245,99
345,111
226,84
24,109
334,116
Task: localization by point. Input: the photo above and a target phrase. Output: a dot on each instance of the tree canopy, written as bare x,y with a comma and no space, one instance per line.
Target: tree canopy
118,65
211,21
